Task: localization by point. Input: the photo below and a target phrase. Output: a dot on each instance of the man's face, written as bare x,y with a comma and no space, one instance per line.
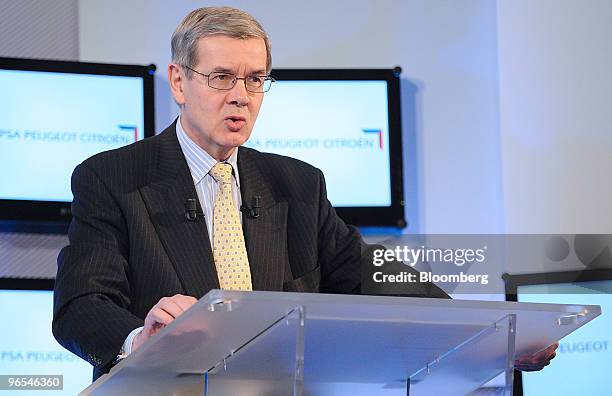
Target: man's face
219,120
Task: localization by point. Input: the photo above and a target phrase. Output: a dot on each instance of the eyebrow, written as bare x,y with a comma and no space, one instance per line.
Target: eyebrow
260,72
219,69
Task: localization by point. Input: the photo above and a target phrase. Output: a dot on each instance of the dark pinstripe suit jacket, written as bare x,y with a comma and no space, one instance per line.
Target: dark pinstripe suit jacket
130,243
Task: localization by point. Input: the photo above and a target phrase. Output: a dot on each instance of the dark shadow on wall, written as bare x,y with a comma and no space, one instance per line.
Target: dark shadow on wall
163,99
411,134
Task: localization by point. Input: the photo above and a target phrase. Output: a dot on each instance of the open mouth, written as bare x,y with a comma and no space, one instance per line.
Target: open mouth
234,123
235,118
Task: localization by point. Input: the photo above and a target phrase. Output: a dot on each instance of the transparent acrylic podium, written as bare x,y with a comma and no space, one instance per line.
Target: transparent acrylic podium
274,343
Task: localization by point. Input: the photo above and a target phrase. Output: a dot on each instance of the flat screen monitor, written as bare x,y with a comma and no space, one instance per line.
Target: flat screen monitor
54,115
582,363
345,122
27,346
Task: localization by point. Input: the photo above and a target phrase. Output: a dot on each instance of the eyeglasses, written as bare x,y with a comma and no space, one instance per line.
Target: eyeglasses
227,81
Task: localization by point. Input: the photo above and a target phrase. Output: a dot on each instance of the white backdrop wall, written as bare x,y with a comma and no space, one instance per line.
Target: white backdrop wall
505,103
448,52
555,65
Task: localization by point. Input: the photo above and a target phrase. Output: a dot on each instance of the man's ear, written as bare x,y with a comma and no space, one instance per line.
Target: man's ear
176,78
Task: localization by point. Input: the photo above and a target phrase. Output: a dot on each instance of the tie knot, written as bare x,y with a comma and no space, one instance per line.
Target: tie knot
222,172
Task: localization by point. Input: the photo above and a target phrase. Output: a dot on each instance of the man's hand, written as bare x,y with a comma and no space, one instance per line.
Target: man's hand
537,361
162,313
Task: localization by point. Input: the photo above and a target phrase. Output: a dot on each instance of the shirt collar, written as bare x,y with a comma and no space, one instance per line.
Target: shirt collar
198,160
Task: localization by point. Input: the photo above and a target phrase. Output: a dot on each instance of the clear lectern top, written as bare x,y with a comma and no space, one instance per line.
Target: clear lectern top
276,343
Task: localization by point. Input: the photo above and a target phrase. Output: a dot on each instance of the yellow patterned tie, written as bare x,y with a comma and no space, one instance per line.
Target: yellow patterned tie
229,249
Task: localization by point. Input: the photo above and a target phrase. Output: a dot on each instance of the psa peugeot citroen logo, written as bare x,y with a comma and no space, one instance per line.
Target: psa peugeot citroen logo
130,128
376,132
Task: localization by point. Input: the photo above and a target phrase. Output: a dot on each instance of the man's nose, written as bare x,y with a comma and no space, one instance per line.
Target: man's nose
239,95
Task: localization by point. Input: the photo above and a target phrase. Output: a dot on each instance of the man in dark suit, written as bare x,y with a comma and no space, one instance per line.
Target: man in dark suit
135,260
147,237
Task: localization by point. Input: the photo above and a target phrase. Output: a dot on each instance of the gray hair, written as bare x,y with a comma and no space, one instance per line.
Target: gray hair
210,21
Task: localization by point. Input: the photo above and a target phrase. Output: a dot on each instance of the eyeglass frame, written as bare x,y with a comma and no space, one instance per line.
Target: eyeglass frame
236,78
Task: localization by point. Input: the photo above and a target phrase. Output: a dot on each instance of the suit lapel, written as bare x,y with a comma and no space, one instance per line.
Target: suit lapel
186,242
265,236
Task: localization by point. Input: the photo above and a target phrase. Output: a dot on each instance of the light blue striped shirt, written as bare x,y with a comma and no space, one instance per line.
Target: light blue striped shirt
207,188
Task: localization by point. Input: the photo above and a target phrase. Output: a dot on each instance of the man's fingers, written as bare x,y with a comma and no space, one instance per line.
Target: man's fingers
179,301
185,302
552,350
539,357
158,315
162,314
170,306
548,352
168,309
537,361
544,359
176,304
